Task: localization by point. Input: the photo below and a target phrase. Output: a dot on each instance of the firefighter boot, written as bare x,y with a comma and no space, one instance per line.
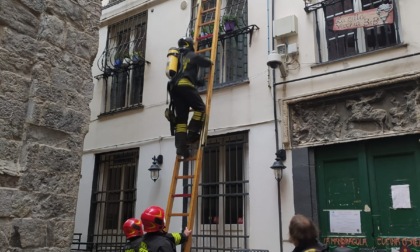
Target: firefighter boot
181,143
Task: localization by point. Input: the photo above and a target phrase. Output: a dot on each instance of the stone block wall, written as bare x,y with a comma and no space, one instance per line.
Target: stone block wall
47,48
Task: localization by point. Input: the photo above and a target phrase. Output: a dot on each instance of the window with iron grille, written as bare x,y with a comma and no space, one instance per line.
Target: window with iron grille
123,63
113,197
235,47
232,50
223,200
341,33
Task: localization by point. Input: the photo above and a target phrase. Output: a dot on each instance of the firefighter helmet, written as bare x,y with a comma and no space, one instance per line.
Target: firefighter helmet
186,42
153,219
132,228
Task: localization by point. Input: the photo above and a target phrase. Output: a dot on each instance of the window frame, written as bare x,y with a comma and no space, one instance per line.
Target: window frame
230,45
123,64
360,34
225,153
122,166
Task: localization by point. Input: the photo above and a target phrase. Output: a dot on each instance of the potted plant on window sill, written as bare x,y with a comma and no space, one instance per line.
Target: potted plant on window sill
118,62
137,57
229,23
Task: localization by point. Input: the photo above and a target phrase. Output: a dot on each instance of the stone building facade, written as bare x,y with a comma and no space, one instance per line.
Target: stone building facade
46,53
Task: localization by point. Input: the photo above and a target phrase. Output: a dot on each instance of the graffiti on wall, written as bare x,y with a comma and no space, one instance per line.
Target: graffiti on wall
413,242
398,241
346,241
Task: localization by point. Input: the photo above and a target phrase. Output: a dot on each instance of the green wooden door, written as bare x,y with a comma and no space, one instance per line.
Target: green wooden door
371,186
394,172
342,187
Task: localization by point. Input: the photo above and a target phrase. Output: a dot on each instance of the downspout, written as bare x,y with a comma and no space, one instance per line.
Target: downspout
269,31
273,70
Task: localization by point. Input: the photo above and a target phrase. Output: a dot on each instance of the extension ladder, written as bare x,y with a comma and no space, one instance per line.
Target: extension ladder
208,18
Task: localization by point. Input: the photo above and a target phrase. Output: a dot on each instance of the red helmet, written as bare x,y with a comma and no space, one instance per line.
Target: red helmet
132,228
153,219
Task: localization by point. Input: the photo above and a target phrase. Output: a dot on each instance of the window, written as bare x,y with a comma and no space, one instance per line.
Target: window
223,199
113,195
341,33
123,63
233,44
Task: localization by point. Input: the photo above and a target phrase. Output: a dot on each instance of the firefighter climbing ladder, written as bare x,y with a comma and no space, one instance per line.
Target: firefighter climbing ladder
208,15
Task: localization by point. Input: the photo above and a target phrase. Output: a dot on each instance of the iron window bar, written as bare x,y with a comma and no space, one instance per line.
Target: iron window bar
344,43
313,7
236,9
206,42
223,201
126,44
113,198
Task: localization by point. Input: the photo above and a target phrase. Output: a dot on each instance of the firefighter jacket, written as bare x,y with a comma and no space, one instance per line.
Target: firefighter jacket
135,245
139,245
190,64
163,242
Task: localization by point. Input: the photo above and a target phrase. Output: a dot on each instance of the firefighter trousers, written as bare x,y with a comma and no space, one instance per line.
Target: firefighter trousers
186,96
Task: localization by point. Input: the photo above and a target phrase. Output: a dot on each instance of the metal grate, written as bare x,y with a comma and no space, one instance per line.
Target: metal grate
123,63
233,43
113,199
222,209
126,43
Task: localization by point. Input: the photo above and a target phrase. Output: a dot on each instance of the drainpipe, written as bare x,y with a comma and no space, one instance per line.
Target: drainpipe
276,132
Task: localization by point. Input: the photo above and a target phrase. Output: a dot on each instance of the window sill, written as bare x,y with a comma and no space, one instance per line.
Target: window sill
225,85
117,111
359,55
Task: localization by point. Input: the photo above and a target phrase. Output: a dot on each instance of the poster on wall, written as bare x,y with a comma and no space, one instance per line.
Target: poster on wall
345,221
400,195
384,14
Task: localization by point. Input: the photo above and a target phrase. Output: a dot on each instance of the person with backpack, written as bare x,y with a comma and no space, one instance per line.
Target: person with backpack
184,95
304,235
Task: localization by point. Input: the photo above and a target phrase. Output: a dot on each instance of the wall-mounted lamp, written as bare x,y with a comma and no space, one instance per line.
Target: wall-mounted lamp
278,165
155,168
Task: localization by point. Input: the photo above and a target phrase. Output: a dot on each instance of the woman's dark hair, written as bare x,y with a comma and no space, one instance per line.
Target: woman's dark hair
302,231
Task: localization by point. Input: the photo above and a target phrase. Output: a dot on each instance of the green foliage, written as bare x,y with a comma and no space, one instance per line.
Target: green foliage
232,18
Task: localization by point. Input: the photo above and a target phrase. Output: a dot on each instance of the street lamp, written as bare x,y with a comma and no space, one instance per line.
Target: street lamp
155,168
278,168
278,165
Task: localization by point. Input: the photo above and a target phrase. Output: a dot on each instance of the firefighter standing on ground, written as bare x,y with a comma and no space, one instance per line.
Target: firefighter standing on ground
133,233
156,238
184,96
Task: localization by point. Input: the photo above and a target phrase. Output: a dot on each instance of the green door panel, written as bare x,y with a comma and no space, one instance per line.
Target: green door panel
394,163
341,186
